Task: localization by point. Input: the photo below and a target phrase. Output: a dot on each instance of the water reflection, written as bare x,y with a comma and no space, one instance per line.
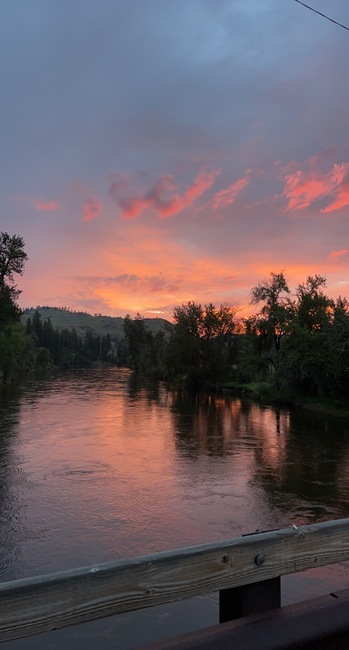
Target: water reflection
207,423
310,478
100,464
141,387
12,519
300,458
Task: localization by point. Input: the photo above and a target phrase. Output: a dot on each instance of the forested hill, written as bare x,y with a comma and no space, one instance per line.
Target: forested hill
82,322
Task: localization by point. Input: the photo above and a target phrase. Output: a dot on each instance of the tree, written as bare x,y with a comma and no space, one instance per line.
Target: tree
9,311
201,341
16,352
314,307
272,321
12,260
12,256
137,339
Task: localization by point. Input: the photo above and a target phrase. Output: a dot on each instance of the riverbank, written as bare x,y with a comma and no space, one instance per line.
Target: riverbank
265,393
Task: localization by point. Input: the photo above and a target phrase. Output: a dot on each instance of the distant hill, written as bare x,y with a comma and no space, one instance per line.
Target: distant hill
80,321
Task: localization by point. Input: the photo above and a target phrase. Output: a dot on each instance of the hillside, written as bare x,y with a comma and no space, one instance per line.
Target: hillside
83,322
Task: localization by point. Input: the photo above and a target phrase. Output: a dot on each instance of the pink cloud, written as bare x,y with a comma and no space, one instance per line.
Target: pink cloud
91,208
302,188
162,197
342,190
230,194
51,206
336,254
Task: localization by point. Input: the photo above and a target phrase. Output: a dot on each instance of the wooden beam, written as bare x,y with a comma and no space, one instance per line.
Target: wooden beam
321,623
45,603
238,602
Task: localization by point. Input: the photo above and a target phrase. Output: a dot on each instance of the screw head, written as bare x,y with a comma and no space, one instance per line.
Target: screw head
259,560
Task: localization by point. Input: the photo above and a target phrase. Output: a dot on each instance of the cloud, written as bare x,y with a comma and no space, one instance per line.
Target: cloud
132,282
162,197
303,188
229,195
50,206
119,183
336,254
342,189
91,208
154,311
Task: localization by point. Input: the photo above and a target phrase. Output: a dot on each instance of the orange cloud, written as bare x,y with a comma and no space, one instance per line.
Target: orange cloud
162,197
302,188
230,194
51,206
91,208
336,254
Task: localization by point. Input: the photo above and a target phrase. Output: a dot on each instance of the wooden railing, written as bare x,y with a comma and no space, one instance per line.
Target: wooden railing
49,602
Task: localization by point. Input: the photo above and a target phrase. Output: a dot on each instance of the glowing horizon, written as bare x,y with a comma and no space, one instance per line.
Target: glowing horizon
155,158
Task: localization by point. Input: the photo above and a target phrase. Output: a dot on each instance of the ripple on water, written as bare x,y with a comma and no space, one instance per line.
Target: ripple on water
84,472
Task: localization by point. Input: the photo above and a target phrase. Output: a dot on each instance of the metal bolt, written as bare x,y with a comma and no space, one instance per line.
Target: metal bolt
259,560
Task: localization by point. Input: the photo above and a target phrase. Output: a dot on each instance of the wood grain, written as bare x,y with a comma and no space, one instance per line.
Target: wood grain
45,603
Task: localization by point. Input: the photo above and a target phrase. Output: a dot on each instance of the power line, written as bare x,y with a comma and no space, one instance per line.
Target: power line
323,15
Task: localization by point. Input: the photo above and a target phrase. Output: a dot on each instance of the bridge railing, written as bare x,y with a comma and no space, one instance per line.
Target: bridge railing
252,562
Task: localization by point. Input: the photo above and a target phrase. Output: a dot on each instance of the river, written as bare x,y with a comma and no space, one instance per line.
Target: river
97,465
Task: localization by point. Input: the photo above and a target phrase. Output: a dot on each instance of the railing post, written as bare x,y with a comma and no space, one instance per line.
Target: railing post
249,599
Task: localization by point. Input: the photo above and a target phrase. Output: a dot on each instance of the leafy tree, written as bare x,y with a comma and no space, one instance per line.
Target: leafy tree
17,353
305,365
338,334
313,310
12,260
201,341
272,321
140,344
9,310
37,327
12,256
14,345
106,347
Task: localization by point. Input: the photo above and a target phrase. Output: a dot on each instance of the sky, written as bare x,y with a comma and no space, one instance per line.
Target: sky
161,151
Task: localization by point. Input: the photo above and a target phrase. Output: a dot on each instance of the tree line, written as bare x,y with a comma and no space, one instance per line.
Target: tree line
294,345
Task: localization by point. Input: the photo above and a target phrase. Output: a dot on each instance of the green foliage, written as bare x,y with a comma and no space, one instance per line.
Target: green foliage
271,323
12,260
66,349
313,308
17,353
15,347
312,358
305,365
142,350
201,345
9,311
12,257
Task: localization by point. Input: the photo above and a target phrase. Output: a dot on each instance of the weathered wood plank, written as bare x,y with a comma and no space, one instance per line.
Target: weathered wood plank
44,603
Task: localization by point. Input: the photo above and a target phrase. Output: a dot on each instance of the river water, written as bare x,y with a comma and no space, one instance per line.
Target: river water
98,465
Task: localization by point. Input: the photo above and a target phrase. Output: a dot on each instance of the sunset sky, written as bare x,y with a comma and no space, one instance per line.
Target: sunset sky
160,151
